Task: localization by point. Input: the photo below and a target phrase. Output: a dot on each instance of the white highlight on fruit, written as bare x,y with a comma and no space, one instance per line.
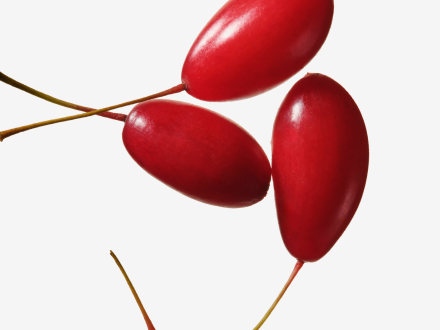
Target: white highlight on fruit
297,111
234,27
223,30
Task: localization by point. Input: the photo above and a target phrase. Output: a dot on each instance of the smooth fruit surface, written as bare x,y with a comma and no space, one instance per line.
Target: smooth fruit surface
197,152
251,46
320,164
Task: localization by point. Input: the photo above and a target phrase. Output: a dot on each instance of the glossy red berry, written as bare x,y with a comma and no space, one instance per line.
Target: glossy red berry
197,152
320,164
251,46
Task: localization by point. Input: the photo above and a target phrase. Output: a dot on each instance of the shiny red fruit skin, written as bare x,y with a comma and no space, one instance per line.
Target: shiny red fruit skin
197,152
252,46
319,165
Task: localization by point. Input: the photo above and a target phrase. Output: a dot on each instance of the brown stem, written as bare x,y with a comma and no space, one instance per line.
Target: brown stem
295,271
133,291
27,89
9,132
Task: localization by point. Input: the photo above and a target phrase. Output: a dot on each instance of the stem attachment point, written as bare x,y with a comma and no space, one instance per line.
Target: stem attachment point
13,131
295,271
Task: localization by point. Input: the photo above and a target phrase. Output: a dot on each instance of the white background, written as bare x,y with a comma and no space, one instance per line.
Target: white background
70,192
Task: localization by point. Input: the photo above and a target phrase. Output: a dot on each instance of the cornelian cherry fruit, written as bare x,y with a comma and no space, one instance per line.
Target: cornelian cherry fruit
252,46
320,163
319,167
197,152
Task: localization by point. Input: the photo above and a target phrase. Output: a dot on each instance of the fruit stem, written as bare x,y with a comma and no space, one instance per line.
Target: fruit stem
13,131
27,89
141,307
295,271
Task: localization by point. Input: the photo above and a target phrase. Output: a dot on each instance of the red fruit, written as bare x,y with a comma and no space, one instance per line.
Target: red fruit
251,46
320,164
197,152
